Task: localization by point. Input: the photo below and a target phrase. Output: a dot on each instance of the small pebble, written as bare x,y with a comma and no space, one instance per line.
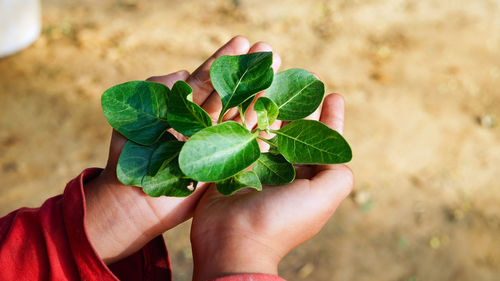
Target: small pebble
306,270
435,242
364,200
9,167
362,197
487,121
11,141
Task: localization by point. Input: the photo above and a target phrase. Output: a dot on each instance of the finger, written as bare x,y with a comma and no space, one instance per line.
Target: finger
316,114
332,113
320,196
339,179
115,148
230,114
304,171
170,79
200,79
333,185
213,106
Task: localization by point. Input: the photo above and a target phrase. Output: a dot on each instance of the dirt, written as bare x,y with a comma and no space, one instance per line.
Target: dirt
420,79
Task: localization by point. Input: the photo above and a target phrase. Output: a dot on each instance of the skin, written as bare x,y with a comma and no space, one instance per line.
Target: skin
248,232
121,219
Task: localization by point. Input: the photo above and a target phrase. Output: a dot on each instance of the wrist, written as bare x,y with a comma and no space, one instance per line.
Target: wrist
231,255
114,230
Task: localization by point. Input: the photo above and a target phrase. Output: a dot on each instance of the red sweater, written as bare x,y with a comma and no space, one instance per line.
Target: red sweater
50,243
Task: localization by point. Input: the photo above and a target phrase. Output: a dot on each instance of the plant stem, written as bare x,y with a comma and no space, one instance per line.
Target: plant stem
242,115
266,141
255,132
221,115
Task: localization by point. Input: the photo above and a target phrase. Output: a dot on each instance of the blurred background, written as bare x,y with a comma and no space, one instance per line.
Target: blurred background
421,83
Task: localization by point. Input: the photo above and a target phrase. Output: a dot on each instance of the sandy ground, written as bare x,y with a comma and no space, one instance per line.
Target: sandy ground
420,79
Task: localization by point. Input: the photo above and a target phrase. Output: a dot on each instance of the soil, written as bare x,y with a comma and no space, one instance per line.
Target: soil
420,79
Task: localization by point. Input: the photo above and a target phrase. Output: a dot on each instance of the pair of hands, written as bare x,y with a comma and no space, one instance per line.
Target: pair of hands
248,232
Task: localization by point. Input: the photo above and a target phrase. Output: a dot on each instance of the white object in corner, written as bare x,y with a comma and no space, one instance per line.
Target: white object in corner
20,25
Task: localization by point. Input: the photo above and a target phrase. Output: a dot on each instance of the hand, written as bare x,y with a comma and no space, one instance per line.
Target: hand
251,231
120,220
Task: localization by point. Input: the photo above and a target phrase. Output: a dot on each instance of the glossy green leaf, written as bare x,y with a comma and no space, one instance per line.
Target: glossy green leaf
154,168
273,169
219,152
267,111
137,160
296,92
169,181
185,116
137,109
312,142
237,78
239,181
273,149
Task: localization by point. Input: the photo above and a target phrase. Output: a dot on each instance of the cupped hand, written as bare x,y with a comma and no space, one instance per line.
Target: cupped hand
120,220
250,231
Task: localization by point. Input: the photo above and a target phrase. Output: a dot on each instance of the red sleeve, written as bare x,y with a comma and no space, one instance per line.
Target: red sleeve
249,277
50,243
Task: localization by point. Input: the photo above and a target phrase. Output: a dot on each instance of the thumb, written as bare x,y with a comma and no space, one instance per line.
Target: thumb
170,79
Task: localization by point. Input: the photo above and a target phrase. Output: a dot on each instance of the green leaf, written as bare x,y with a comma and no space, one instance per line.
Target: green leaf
169,181
185,116
219,152
155,167
241,180
312,142
274,169
267,111
138,160
296,92
273,149
237,78
137,109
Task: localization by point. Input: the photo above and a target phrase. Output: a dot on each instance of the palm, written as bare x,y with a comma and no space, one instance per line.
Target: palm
268,213
121,220
169,210
275,212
